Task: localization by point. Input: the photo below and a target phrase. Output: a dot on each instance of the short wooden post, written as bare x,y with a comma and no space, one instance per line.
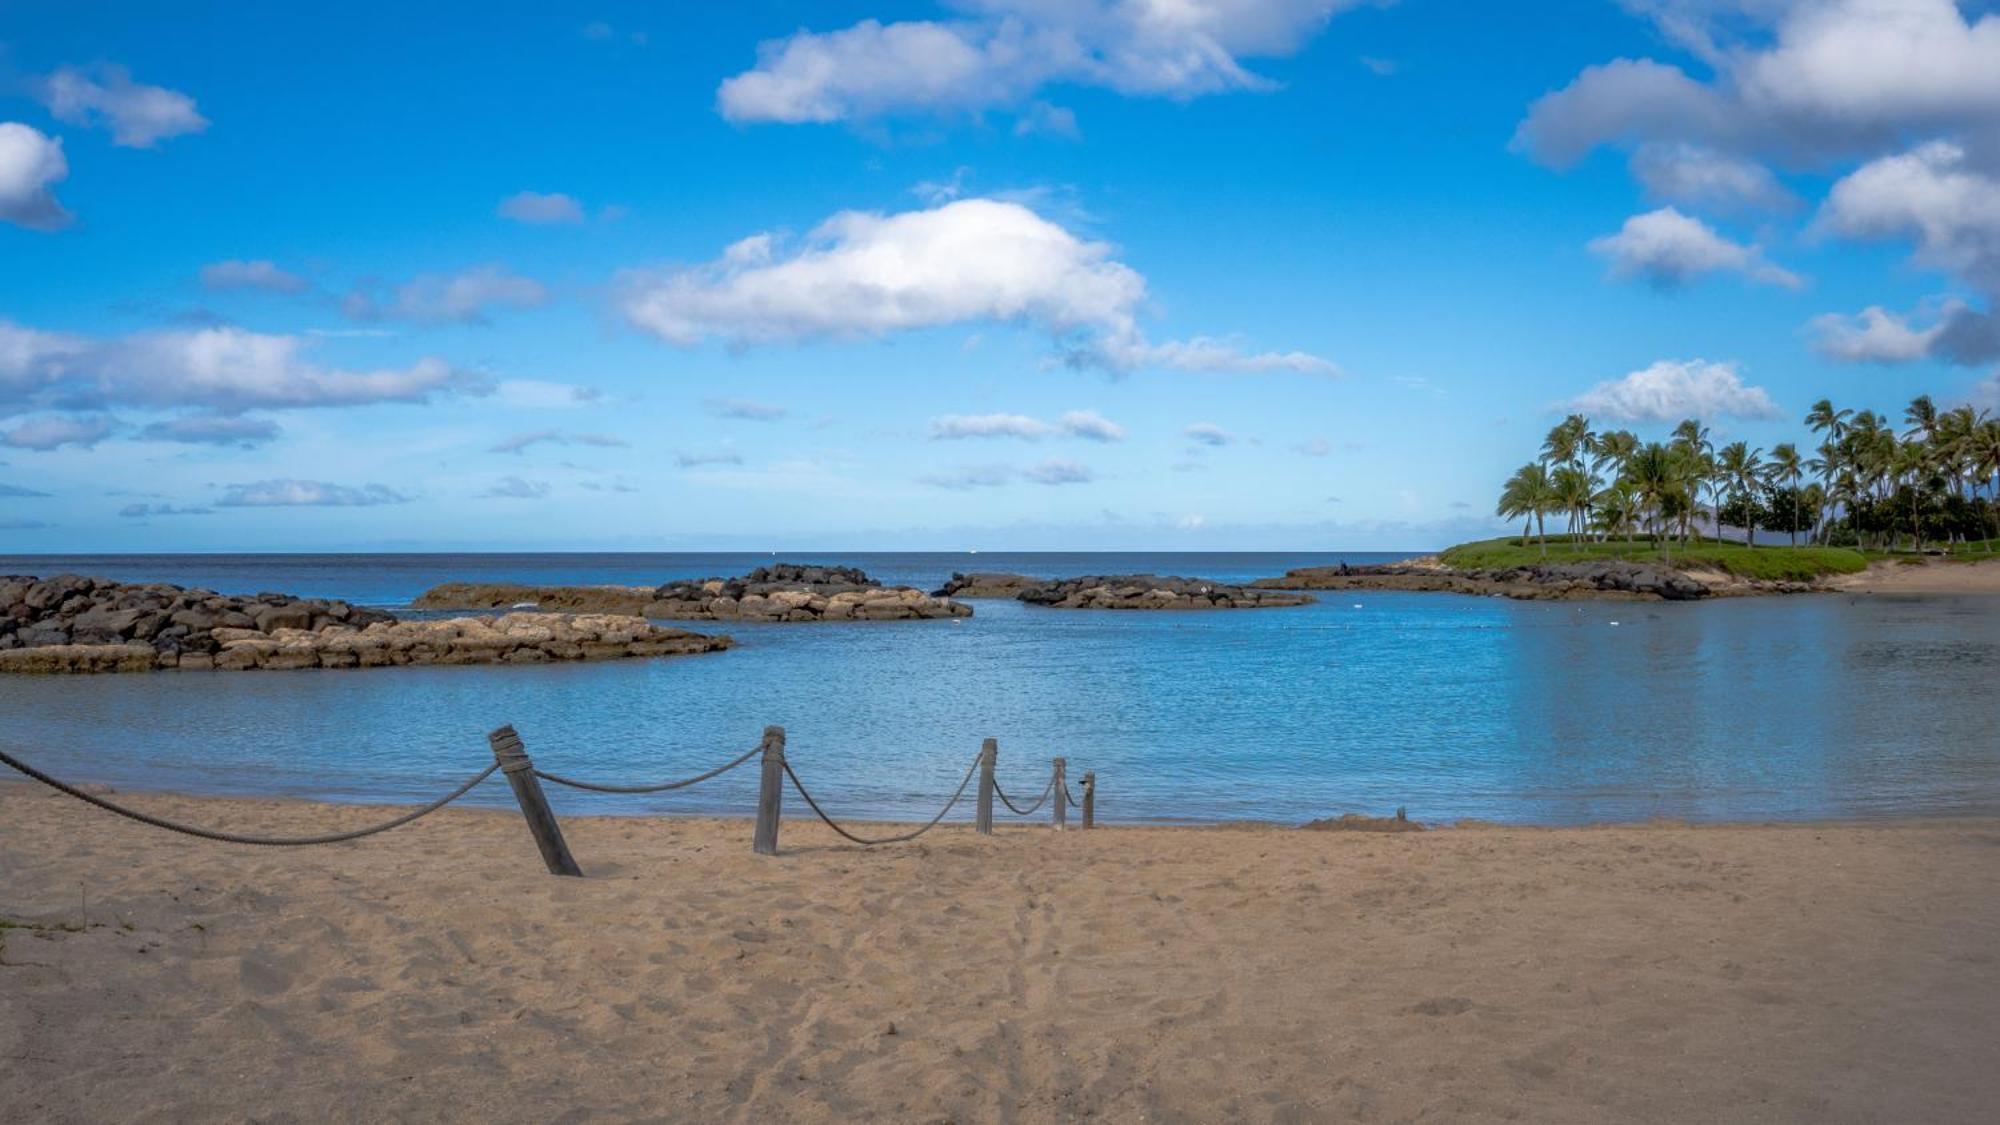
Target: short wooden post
1061,795
771,792
513,759
989,751
1090,799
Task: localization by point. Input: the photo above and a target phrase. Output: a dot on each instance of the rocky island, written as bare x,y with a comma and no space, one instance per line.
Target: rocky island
1595,579
72,623
1152,591
987,584
780,592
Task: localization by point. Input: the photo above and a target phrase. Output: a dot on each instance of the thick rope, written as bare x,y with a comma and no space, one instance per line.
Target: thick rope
866,841
233,838
1067,792
1018,811
660,788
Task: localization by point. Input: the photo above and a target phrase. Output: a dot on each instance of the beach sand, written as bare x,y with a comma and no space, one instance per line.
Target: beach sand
1931,576
1815,973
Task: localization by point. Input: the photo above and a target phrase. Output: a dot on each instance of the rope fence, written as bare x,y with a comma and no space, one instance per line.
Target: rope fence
510,758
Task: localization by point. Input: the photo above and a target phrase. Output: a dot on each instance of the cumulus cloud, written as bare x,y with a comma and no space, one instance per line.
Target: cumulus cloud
862,274
1091,426
1670,249
694,459
1800,80
1208,433
514,488
519,442
286,493
259,274
1874,335
139,116
31,163
1057,471
1007,50
952,426
1931,195
1693,176
212,429
743,409
462,298
967,477
44,434
541,209
1671,390
144,511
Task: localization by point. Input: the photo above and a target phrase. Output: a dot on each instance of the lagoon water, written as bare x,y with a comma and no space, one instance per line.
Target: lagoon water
1806,707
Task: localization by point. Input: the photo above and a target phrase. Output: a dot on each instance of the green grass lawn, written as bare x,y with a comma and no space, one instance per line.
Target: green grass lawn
1772,563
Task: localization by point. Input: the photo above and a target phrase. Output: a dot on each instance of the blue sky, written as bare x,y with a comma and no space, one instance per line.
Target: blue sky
998,274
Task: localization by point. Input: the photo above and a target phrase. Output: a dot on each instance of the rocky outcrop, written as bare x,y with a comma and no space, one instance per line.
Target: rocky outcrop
1151,591
788,592
71,623
987,584
628,600
1612,579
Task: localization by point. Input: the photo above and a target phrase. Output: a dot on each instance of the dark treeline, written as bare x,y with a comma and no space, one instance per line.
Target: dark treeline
1866,485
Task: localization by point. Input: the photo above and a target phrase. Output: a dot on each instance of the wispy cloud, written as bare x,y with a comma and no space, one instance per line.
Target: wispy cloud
288,493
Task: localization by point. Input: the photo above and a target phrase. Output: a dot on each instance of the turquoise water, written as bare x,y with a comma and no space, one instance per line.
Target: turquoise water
1776,708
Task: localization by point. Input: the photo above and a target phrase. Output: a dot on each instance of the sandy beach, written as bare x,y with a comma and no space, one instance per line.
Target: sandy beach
1655,973
1929,576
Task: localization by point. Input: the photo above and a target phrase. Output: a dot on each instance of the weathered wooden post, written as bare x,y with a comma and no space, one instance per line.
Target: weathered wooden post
513,759
771,792
1061,795
1090,799
989,751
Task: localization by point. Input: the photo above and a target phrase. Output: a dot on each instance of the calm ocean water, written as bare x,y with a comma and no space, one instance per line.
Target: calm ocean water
1778,708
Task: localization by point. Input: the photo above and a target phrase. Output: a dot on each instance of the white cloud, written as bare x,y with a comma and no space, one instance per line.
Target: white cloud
1932,195
862,274
212,429
259,274
137,115
540,208
1671,390
951,426
31,163
1058,471
223,369
520,442
514,488
1874,335
1670,249
1693,176
1315,447
537,394
463,298
1208,433
743,409
1091,426
694,459
286,493
143,511
1007,50
44,434
970,476
1827,78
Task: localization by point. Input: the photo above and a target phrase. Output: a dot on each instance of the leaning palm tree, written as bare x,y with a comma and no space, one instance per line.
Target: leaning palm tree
1785,465
1528,495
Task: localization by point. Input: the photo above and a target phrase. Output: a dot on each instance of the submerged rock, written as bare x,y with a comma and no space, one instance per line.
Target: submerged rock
1151,591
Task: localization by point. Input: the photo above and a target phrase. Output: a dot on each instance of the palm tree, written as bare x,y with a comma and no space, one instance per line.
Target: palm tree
1824,419
1652,476
1573,487
1698,471
1615,508
1985,452
1529,494
1785,465
1740,469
